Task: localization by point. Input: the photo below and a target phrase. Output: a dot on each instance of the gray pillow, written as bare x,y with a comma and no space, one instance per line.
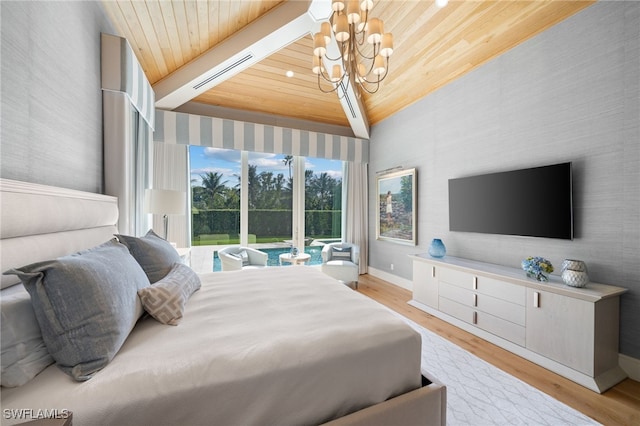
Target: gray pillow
86,305
24,353
153,253
341,253
166,299
245,257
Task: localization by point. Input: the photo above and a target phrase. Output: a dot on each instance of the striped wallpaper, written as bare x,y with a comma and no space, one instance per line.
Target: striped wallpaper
121,72
188,129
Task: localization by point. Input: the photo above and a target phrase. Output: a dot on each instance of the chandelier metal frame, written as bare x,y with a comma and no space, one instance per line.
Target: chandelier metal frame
352,27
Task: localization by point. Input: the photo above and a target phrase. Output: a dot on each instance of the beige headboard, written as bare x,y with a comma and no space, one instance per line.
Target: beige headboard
40,222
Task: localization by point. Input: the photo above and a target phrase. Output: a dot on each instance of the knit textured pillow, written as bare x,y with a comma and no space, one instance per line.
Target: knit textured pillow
166,299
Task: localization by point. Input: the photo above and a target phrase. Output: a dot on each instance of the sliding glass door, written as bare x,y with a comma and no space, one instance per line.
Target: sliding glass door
323,199
270,198
264,199
215,195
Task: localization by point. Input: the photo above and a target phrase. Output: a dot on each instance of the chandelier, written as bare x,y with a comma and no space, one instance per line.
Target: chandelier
363,45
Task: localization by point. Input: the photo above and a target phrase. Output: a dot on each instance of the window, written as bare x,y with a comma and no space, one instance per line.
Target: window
270,193
215,195
270,215
323,199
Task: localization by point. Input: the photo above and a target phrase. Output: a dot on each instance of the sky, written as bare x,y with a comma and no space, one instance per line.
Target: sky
392,185
227,162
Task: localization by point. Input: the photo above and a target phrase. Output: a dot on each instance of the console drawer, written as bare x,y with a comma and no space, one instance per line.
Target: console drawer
502,290
484,285
506,329
508,311
458,310
457,278
458,294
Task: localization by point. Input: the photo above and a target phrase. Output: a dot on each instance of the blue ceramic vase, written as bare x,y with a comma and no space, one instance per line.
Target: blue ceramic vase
437,248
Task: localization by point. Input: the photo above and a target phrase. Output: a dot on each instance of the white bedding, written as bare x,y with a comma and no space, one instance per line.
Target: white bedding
271,346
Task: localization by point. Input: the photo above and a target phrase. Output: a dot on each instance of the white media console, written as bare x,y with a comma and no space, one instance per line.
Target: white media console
570,331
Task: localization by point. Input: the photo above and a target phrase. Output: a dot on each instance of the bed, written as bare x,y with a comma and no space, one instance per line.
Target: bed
279,346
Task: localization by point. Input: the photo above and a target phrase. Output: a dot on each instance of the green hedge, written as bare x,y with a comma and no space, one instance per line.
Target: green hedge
265,224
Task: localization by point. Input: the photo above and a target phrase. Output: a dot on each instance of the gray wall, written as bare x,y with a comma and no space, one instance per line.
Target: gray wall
51,100
569,94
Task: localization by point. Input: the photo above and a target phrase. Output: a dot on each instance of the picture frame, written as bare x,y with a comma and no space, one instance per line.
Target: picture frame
396,206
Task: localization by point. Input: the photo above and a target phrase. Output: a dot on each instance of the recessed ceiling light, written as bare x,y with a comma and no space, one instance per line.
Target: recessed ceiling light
441,3
289,73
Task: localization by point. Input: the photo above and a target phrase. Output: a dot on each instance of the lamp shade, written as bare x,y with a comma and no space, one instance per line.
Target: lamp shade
164,201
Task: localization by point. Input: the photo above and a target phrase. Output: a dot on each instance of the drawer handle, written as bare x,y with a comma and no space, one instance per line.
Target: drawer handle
475,300
475,283
536,299
475,317
433,271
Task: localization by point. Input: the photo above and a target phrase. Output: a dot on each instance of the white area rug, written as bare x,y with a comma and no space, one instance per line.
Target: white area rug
480,394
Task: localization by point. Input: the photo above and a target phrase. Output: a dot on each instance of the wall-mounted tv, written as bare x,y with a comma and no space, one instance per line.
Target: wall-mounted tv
533,202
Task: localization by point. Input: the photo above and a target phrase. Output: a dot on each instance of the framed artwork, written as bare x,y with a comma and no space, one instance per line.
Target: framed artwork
396,207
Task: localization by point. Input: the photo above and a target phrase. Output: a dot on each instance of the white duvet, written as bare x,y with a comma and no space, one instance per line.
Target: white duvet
273,346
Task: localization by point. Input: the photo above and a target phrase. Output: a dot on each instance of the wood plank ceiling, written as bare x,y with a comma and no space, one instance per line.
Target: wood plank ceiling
433,46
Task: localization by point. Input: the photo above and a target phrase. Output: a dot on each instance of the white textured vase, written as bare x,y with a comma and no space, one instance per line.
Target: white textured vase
576,265
575,278
574,273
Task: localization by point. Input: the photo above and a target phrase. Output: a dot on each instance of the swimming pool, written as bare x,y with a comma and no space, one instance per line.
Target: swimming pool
274,256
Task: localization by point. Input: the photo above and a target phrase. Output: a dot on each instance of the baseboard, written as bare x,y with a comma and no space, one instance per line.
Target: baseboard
393,279
631,366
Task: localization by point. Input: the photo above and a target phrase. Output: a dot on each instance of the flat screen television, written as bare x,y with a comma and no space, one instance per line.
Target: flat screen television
533,202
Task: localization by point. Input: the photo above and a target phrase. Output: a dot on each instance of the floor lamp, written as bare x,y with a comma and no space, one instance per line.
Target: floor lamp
165,202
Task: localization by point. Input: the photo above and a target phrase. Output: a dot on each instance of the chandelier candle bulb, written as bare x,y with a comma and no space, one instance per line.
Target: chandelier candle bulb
366,5
375,31
325,29
353,12
386,48
337,5
379,66
317,67
335,73
319,45
341,28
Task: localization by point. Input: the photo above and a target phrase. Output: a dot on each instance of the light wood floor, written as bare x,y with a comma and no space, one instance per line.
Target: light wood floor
618,406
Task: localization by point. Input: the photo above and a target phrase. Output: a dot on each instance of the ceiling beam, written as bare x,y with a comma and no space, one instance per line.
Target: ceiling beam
256,41
271,32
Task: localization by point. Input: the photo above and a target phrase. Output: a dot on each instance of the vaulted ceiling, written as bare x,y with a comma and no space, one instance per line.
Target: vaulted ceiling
240,50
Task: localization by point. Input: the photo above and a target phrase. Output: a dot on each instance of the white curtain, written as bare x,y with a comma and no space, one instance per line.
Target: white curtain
355,216
171,171
127,139
141,179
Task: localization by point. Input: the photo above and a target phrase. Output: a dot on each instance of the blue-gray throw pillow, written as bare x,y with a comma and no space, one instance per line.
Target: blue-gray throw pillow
341,253
153,253
86,305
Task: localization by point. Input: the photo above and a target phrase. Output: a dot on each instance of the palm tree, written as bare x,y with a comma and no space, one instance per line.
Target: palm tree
288,161
213,185
254,185
321,188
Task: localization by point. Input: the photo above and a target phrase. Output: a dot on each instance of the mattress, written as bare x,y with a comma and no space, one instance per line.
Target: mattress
278,346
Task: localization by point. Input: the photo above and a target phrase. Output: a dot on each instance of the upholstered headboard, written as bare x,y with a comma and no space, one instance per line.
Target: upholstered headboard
40,222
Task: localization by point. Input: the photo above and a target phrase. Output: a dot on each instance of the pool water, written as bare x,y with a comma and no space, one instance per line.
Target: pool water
274,256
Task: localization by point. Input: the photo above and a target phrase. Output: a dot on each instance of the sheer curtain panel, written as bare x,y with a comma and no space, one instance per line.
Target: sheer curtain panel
355,216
